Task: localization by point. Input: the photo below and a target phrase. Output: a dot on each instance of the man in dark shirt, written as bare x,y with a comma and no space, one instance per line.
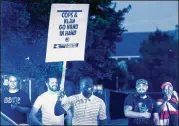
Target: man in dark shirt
15,103
140,108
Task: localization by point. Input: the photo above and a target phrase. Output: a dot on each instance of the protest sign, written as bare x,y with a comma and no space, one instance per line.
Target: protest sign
67,32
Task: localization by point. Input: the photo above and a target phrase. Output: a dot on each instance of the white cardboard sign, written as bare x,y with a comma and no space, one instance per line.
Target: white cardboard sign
67,32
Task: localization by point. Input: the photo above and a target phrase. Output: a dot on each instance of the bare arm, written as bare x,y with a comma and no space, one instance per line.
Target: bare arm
21,108
131,114
166,98
156,119
160,107
175,94
24,109
59,110
68,118
33,116
102,114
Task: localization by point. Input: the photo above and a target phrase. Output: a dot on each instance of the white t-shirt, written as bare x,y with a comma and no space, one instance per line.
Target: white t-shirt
46,102
85,111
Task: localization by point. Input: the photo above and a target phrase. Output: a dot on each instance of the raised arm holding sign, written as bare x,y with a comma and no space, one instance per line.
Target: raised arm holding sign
67,34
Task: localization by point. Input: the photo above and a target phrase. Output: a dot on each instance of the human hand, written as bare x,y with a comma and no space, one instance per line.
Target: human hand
14,106
166,98
61,95
146,115
175,93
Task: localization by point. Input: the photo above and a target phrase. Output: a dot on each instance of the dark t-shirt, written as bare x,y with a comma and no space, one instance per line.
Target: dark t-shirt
20,98
4,88
141,105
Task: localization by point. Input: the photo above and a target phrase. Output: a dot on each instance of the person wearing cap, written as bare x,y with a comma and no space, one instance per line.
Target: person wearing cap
168,105
140,108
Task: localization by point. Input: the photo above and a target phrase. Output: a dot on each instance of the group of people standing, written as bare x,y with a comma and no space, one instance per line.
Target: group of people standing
87,109
142,110
82,109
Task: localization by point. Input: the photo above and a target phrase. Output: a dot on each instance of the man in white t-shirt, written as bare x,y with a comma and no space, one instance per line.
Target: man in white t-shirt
46,103
86,108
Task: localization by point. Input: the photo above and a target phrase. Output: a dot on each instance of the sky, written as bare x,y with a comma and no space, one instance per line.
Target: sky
146,16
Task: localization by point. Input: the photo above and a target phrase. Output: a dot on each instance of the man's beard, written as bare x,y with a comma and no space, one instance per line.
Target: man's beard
142,94
86,94
53,88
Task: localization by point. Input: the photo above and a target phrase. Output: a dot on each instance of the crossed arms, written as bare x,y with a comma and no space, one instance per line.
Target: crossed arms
132,114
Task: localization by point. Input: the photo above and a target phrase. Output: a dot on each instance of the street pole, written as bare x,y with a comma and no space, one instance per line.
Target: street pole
30,89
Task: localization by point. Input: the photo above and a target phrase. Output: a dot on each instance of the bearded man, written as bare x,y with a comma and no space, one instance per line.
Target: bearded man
46,103
85,107
140,108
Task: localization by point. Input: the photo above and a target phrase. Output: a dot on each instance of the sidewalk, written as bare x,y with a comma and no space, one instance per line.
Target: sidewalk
122,121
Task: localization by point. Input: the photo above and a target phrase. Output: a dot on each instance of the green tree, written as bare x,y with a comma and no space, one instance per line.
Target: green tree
160,56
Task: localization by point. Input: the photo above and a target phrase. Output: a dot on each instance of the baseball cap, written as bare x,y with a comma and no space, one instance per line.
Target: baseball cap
141,81
165,84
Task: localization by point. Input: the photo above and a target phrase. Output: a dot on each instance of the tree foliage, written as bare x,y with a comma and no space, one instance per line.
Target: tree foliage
160,56
104,29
